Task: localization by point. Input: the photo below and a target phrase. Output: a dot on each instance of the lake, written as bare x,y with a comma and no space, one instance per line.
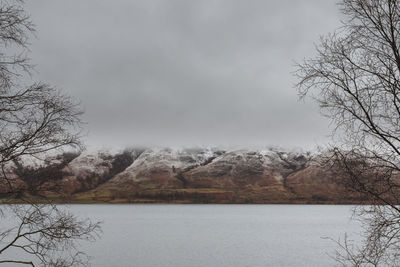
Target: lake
217,235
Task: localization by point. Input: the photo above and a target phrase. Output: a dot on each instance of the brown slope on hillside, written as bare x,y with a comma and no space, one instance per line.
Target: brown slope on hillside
217,177
193,176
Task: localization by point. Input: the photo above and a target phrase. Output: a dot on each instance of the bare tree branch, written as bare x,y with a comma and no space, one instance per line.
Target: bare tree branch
35,119
355,78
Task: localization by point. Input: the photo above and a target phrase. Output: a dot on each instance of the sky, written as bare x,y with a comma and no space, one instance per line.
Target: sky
184,73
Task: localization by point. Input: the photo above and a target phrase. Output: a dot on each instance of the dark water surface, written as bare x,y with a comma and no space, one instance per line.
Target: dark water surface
217,235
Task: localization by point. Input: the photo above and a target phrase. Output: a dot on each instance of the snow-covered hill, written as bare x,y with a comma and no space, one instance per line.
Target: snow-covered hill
185,175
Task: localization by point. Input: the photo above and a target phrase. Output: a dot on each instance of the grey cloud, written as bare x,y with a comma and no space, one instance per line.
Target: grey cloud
183,72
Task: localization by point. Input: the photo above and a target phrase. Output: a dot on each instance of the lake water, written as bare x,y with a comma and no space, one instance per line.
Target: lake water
217,235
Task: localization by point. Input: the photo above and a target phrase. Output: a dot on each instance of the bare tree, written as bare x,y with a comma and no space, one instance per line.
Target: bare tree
47,234
355,77
35,119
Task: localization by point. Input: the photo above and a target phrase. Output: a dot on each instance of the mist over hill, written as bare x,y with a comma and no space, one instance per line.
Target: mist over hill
190,175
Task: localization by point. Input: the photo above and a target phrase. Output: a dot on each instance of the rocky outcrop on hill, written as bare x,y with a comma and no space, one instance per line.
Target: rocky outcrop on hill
193,175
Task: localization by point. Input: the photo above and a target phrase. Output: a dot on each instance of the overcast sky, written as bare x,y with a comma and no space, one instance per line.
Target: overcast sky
184,73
